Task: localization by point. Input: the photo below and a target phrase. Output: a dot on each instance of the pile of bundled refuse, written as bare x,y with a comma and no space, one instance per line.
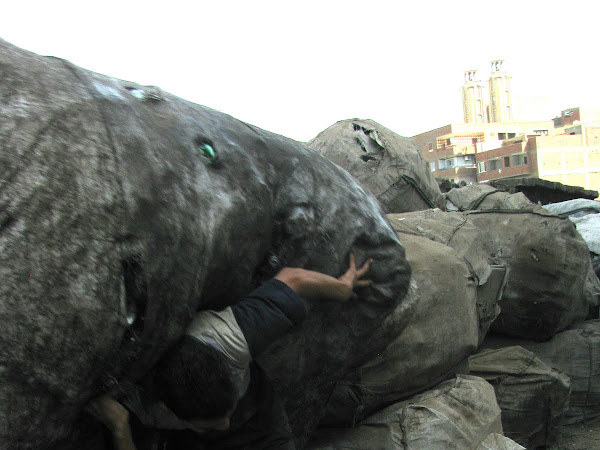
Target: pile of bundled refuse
503,343
124,210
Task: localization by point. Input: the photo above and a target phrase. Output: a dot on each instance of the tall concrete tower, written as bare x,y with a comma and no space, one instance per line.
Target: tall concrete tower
501,109
474,108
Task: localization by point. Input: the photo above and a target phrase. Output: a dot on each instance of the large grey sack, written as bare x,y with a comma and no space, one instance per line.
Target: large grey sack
495,441
483,196
445,328
589,228
532,396
124,210
549,267
576,353
385,163
456,414
452,229
456,231
578,207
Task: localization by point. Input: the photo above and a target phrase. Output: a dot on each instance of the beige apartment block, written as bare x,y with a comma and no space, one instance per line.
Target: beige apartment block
570,159
452,151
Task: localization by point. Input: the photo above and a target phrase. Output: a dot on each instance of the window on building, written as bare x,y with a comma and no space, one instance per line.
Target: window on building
494,164
501,136
507,161
481,166
432,166
510,135
444,164
519,159
431,146
448,141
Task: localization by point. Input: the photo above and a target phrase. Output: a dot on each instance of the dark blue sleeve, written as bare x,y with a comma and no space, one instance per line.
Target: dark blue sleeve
268,313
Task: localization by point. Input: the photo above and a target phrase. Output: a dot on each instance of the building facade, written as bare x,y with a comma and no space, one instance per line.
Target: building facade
490,145
454,151
568,158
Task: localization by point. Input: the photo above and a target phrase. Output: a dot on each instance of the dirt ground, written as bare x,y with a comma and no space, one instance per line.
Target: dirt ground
577,437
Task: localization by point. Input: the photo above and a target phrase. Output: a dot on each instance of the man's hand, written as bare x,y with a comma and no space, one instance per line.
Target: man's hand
352,277
316,285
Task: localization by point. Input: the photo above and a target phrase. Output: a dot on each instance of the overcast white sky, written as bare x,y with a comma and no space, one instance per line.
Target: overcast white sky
296,67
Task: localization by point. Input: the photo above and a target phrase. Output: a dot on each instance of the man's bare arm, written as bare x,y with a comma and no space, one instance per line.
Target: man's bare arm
310,284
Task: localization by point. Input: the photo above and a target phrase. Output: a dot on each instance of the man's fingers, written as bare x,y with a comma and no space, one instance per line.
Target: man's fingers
363,283
365,268
352,262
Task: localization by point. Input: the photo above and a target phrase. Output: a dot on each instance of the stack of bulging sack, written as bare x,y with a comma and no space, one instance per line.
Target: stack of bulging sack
447,321
453,295
493,264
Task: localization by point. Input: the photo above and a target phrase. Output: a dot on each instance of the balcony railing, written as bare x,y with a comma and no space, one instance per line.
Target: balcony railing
457,149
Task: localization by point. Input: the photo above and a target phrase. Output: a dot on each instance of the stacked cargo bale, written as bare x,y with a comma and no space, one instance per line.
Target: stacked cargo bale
454,230
453,297
532,396
390,166
442,332
460,413
549,268
140,208
585,215
398,371
576,353
579,207
483,196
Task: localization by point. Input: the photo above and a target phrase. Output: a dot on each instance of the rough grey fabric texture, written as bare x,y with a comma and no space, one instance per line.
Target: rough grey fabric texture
576,353
456,231
443,331
124,209
388,165
495,441
532,396
578,207
549,265
456,414
484,196
589,228
449,228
